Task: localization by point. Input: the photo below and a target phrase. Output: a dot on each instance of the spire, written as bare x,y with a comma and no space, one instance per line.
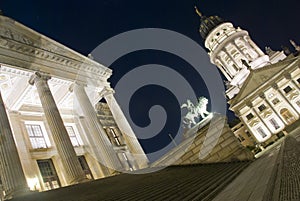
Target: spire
198,12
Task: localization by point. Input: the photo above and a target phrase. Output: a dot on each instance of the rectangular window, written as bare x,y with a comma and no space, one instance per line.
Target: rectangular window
49,174
248,134
261,132
262,107
73,137
274,123
85,167
116,137
275,101
125,161
287,89
241,138
249,116
36,136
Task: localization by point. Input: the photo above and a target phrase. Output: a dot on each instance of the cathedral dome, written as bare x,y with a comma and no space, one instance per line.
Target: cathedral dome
208,24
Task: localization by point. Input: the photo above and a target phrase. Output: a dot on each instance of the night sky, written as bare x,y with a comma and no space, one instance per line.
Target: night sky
83,25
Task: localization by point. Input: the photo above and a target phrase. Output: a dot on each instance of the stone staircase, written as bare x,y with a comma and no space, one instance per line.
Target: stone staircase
186,182
286,183
275,176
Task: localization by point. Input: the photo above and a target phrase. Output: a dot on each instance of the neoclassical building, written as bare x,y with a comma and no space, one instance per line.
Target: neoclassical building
263,89
53,130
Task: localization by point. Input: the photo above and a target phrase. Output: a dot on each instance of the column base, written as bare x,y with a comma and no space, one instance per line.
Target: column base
79,180
17,193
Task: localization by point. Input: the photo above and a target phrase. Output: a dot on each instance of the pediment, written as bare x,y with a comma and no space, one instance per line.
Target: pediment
259,78
25,48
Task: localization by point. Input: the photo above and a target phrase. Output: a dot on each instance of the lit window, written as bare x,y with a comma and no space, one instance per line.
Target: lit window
287,89
48,173
116,137
287,115
275,101
261,132
85,167
249,116
262,107
274,123
73,137
125,161
36,136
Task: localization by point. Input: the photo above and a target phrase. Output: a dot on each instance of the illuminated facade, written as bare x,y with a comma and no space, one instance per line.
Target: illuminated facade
263,89
51,134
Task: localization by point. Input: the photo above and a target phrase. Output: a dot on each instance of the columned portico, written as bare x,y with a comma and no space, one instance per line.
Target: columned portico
55,149
105,153
12,175
74,172
124,126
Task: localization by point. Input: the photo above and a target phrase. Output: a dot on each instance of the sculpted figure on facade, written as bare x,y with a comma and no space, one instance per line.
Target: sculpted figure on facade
195,112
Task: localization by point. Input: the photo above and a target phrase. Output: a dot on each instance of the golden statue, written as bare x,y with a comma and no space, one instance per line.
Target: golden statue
198,12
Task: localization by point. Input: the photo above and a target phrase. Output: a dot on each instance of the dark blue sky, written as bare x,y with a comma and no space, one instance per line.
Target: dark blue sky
83,25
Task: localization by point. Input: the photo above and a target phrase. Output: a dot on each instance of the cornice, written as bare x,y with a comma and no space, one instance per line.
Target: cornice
25,45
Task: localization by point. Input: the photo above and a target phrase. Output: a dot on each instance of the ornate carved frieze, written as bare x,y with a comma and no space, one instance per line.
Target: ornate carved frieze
16,38
293,95
253,122
266,113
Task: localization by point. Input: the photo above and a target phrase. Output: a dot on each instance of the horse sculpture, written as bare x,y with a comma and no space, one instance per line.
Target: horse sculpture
195,111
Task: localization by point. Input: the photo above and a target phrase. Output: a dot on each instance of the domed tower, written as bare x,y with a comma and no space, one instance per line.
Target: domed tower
231,50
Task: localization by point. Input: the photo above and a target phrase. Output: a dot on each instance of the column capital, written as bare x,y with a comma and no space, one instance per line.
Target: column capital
106,91
262,95
249,103
39,76
288,76
275,86
76,84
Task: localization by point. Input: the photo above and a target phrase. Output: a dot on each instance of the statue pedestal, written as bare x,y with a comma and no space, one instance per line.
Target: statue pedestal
209,141
192,131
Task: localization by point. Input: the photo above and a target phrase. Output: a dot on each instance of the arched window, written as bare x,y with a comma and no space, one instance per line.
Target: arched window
287,115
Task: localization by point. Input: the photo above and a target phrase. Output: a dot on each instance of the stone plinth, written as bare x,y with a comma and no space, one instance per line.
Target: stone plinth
219,145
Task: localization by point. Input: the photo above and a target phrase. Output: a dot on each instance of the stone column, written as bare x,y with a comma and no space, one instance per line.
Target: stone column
93,147
233,60
12,175
105,152
223,68
255,47
133,143
65,149
272,108
292,82
229,67
239,49
259,117
283,96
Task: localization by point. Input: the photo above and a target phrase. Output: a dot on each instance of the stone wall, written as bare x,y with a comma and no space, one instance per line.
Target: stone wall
217,145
